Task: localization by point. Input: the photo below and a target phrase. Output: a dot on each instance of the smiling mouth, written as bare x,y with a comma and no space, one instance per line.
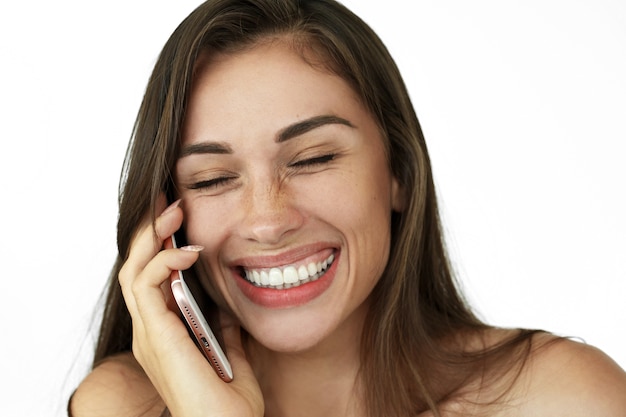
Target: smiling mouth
281,278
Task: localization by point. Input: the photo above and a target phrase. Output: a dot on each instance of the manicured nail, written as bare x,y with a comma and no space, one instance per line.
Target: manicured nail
171,207
193,248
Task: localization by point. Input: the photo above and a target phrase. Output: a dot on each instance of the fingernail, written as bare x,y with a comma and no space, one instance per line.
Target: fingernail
193,248
171,207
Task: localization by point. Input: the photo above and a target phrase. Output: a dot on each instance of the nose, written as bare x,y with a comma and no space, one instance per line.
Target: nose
269,212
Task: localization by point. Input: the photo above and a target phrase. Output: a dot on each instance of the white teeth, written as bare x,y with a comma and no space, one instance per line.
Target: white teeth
290,276
265,278
276,277
303,273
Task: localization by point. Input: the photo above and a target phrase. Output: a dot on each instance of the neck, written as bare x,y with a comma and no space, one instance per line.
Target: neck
320,381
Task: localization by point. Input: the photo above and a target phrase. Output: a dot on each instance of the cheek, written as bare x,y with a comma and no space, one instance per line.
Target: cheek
366,201
206,222
207,225
361,210
370,216
209,285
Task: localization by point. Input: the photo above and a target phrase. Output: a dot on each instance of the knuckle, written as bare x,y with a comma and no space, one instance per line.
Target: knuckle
136,286
126,275
136,349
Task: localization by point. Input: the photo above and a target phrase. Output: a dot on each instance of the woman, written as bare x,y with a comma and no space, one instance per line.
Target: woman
285,134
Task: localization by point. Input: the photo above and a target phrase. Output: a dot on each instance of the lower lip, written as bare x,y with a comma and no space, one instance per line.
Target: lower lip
290,297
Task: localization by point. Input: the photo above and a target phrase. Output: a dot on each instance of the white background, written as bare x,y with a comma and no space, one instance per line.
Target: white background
523,104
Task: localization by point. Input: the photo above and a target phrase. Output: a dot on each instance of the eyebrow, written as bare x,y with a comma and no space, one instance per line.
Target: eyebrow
304,126
292,131
206,147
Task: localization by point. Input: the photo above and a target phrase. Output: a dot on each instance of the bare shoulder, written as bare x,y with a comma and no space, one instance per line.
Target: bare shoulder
117,387
568,378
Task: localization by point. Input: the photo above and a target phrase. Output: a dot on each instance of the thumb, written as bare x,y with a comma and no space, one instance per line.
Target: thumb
236,352
244,379
231,334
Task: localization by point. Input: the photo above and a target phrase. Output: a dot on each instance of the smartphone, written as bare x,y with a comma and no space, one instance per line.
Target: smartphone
197,324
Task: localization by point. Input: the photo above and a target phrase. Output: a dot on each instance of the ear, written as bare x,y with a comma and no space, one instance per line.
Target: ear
398,198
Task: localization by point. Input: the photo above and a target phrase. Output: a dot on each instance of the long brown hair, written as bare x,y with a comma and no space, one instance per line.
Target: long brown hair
406,366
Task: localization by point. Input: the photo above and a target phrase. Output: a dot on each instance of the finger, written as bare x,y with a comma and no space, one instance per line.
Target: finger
166,288
148,219
147,287
244,380
152,318
231,335
144,248
149,240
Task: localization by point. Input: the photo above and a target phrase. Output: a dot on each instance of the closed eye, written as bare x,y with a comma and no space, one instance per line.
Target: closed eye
212,183
318,160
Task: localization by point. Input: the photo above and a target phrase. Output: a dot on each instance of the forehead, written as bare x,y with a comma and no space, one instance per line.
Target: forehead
277,55
300,46
268,85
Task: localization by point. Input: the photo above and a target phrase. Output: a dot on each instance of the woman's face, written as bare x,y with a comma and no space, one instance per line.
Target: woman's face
285,183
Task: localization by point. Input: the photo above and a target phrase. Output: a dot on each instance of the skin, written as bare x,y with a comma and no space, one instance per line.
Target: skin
271,201
276,198
277,202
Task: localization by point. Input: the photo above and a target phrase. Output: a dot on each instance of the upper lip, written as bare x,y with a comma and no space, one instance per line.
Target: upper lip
284,258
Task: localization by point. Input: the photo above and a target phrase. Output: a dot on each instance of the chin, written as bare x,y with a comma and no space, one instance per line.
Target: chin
292,335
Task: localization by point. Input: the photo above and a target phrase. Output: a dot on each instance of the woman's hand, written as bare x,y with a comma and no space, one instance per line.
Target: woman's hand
161,343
